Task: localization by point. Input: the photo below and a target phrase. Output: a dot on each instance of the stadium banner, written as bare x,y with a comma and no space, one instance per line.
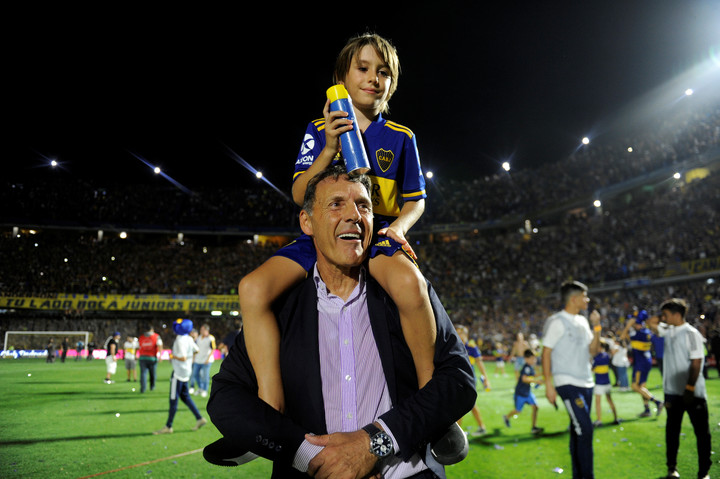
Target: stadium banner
694,266
123,302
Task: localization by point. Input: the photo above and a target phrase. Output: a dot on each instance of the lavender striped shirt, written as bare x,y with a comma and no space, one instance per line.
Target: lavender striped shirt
355,391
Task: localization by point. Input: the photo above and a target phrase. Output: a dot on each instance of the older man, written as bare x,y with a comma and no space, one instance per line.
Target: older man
347,371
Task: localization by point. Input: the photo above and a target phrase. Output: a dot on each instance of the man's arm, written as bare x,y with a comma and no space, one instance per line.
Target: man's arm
596,328
550,392
242,417
421,416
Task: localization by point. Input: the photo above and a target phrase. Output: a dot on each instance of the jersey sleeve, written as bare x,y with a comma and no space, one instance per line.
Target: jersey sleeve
695,345
554,332
312,144
413,181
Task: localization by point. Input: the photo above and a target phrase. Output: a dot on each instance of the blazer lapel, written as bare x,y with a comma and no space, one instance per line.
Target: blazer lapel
300,360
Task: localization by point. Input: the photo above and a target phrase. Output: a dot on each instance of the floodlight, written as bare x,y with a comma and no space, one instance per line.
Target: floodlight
429,174
586,140
506,166
676,176
157,170
689,92
53,163
630,149
258,175
597,203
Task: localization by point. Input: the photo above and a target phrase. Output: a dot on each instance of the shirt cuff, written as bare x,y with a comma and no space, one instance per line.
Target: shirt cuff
396,447
305,453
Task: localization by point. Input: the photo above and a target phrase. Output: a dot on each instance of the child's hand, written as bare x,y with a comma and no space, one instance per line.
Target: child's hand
336,123
398,236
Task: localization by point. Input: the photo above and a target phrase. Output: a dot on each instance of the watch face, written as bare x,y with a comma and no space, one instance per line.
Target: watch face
381,444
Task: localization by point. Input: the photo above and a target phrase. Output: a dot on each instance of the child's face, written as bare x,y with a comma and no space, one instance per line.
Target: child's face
368,80
532,360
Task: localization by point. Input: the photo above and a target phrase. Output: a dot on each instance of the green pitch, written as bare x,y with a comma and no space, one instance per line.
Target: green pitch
60,420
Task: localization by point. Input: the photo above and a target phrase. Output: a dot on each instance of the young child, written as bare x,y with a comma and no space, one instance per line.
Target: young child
182,356
601,368
523,393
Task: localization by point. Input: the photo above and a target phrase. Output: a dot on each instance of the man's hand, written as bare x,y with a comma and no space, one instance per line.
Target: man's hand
595,317
346,456
551,394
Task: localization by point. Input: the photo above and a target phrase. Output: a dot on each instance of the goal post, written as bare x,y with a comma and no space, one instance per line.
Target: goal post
84,334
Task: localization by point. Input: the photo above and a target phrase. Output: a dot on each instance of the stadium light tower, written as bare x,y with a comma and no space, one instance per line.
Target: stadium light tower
157,170
506,166
586,140
258,175
429,175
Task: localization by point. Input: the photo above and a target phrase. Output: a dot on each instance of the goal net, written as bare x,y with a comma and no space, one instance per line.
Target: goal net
18,341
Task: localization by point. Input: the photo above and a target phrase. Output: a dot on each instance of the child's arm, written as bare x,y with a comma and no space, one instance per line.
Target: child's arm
336,124
410,213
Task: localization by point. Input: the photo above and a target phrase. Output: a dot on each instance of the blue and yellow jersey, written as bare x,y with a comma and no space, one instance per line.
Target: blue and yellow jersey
522,388
395,169
473,350
641,343
601,368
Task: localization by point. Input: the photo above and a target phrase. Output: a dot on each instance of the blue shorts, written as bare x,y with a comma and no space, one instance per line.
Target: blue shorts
302,250
520,401
640,374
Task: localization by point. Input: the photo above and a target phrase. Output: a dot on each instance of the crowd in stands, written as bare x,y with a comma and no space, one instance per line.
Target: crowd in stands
500,281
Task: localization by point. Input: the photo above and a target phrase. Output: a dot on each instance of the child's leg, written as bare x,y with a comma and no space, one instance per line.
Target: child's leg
534,416
612,406
598,408
257,291
405,284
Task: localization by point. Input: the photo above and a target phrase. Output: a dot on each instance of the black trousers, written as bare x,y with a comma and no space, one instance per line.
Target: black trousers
675,408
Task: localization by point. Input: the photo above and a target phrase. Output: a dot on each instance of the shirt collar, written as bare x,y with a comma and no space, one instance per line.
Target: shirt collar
322,290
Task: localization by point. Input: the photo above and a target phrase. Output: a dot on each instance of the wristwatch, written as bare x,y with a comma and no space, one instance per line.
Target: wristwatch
380,443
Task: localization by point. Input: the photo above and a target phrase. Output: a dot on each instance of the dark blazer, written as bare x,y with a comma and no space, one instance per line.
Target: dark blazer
417,417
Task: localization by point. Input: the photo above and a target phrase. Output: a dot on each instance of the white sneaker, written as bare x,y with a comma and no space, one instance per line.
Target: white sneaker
203,393
200,423
164,430
192,391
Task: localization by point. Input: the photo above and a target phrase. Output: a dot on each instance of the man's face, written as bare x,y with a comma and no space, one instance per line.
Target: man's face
671,318
341,222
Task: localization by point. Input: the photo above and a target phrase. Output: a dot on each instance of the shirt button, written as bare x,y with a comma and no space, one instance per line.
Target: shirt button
345,342
348,378
349,416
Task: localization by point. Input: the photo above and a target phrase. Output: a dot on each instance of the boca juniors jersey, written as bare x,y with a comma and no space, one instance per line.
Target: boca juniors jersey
641,342
601,368
395,169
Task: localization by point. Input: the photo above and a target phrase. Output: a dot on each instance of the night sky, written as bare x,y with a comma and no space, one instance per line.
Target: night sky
480,84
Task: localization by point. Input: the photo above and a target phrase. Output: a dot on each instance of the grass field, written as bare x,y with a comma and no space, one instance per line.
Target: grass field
60,420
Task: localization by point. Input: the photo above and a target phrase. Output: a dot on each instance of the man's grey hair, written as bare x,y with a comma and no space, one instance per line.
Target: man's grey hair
336,172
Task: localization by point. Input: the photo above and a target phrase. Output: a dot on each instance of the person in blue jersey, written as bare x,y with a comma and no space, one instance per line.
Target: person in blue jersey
368,67
476,361
523,392
640,338
568,346
601,368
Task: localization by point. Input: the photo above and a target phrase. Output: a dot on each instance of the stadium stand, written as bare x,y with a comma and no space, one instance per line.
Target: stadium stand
495,247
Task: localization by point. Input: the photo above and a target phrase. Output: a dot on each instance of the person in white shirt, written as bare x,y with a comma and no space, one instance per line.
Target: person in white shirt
182,356
568,348
203,360
683,383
